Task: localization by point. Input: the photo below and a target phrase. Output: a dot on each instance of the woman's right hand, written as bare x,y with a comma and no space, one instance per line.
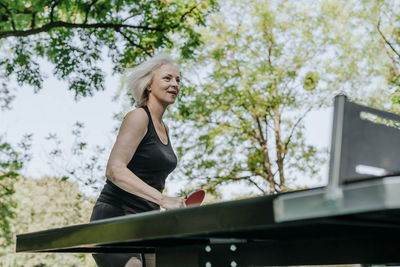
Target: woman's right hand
170,203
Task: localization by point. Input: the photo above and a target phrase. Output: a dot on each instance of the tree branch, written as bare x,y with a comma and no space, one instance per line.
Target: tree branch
270,44
132,42
256,185
395,68
58,24
53,6
118,5
183,16
248,132
10,14
267,124
277,188
25,11
384,38
88,10
260,129
263,143
247,178
132,16
293,129
267,164
33,20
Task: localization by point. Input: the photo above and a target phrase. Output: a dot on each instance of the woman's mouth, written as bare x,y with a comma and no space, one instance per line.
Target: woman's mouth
173,92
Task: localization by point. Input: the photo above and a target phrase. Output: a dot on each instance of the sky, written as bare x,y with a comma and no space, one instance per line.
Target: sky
53,110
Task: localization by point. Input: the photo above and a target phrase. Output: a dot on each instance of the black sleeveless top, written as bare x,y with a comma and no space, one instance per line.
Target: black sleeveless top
152,162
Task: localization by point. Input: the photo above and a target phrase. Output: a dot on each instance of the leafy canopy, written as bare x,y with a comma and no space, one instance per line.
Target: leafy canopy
259,64
72,34
264,65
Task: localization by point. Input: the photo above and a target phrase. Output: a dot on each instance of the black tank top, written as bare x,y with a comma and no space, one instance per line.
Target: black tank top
152,162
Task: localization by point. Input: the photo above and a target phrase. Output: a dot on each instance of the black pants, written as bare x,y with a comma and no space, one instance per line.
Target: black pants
103,210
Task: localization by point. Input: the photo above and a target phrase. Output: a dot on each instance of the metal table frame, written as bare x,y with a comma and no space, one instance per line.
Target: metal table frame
287,229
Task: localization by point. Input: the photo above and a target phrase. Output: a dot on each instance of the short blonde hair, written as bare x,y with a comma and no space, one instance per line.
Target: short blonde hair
141,76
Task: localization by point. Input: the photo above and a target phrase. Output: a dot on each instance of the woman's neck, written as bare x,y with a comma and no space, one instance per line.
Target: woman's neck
156,109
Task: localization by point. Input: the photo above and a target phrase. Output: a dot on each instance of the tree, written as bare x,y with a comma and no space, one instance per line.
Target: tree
71,35
44,204
11,161
265,64
389,31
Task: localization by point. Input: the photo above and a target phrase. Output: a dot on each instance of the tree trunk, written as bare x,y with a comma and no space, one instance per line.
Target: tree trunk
278,144
267,161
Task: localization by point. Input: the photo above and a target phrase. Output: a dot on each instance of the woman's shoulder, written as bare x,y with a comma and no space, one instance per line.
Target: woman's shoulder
137,116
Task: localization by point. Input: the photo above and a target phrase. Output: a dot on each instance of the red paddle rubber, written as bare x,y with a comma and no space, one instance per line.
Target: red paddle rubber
195,197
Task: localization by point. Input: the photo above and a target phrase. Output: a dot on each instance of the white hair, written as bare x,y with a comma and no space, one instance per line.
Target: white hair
141,76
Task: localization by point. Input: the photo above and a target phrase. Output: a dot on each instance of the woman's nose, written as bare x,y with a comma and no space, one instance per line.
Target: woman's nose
175,82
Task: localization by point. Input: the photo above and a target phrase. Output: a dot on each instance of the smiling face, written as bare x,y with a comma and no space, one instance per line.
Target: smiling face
164,87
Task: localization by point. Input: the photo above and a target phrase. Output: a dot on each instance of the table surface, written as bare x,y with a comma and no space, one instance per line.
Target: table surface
365,209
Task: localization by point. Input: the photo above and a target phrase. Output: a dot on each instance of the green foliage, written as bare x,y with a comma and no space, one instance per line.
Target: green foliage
72,34
311,80
43,204
254,71
396,97
244,112
11,162
81,163
29,205
387,26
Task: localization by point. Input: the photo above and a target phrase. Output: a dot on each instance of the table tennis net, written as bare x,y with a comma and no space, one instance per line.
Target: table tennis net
365,142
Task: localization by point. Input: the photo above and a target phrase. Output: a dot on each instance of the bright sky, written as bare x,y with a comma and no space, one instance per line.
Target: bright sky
53,110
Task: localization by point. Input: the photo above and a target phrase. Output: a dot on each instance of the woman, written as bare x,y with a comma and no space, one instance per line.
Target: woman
142,156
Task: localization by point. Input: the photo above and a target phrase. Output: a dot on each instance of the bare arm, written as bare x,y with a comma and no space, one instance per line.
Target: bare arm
131,133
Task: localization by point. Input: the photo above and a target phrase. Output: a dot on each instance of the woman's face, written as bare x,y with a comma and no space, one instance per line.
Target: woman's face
165,84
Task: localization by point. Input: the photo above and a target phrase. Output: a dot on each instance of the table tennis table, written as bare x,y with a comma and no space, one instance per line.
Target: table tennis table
354,219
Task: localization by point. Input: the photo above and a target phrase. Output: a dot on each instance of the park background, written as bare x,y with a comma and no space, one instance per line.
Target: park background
253,117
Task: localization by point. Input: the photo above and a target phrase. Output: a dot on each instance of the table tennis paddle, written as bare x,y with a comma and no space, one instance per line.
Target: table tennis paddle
195,197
